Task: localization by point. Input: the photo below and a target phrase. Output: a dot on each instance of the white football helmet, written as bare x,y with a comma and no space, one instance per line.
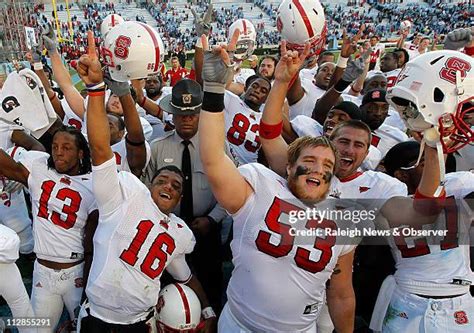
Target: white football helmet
178,309
302,21
436,90
405,25
132,50
247,41
109,22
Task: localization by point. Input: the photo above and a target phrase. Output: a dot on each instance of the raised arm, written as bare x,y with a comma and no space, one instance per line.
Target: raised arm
89,69
229,187
134,139
348,48
22,139
273,144
425,208
331,97
62,77
203,27
147,104
401,40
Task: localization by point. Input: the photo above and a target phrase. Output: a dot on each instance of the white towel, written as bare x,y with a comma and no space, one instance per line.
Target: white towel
25,103
383,301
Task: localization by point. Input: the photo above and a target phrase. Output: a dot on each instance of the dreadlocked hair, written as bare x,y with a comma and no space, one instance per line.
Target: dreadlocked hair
81,142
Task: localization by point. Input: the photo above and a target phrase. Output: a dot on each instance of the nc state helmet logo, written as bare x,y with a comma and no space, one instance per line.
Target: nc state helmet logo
452,65
122,45
10,103
461,317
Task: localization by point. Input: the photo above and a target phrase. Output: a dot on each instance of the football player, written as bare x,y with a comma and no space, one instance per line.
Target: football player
64,218
137,236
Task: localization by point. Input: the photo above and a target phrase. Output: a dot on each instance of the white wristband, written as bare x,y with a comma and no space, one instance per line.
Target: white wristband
38,66
208,313
199,43
342,62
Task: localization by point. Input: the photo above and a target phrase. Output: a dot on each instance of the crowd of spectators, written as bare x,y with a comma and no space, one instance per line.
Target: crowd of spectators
380,19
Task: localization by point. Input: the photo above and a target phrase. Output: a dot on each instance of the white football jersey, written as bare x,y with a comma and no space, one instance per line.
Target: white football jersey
375,186
243,75
392,77
70,118
306,104
304,125
465,158
308,73
386,136
9,245
133,244
393,119
279,279
61,205
413,53
410,46
13,209
159,126
242,129
439,265
376,54
120,151
6,131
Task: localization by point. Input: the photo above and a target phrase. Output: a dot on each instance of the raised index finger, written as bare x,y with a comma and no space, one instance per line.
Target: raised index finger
91,45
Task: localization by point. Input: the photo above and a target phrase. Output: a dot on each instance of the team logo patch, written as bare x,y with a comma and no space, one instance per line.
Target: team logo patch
187,98
9,103
79,282
122,45
65,180
453,65
460,317
363,189
402,315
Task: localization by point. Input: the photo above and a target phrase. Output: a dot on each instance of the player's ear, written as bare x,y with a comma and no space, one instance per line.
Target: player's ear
288,168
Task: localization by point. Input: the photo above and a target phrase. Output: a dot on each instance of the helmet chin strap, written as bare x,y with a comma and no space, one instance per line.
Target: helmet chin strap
441,165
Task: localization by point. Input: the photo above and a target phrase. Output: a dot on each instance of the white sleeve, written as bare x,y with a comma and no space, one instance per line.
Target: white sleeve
250,173
9,245
106,187
179,269
30,158
397,189
304,125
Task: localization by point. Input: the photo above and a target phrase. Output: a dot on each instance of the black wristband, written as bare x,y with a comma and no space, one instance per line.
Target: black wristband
135,144
213,102
341,85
